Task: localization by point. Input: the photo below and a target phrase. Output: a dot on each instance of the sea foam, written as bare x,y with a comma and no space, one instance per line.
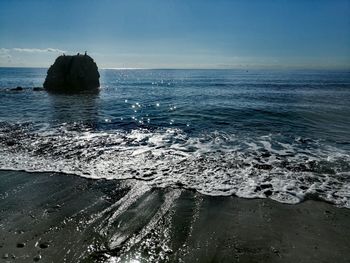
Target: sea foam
215,163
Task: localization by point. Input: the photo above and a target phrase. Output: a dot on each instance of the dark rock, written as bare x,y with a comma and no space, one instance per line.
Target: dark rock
38,89
19,88
72,74
37,258
21,245
275,250
44,245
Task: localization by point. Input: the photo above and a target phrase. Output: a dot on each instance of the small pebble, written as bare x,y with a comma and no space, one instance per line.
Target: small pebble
44,245
37,258
274,250
5,256
20,245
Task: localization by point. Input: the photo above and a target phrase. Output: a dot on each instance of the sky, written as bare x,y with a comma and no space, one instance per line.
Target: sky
313,34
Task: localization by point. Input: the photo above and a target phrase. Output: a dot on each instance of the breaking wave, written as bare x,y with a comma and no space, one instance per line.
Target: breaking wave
215,163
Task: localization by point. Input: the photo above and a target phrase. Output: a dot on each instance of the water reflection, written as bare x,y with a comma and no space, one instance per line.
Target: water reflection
77,108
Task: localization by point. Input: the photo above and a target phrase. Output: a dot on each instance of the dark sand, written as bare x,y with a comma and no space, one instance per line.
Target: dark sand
60,218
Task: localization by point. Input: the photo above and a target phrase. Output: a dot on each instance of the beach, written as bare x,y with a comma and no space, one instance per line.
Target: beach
48,216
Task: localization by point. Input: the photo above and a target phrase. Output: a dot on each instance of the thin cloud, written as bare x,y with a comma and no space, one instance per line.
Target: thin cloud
38,50
31,50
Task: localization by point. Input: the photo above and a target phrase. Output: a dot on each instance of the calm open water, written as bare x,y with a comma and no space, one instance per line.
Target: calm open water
276,134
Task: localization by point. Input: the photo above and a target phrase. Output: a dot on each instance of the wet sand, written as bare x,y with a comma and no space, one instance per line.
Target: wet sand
49,217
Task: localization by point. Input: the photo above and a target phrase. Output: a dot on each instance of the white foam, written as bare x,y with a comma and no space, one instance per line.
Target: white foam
213,164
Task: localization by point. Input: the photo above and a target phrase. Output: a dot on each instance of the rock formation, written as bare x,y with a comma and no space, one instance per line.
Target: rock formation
72,74
19,88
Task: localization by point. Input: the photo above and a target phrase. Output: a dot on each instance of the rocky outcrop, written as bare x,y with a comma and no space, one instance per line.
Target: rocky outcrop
19,88
38,89
72,74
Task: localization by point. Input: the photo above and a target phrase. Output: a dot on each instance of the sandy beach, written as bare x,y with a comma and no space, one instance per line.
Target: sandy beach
50,217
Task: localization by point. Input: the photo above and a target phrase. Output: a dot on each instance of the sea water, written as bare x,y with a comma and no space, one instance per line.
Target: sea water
283,135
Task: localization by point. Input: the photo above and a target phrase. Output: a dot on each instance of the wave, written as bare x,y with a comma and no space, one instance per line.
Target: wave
287,170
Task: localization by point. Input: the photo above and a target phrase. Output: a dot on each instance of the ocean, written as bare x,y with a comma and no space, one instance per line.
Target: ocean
283,135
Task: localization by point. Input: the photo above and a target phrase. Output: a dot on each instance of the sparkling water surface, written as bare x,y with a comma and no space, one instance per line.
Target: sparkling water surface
284,135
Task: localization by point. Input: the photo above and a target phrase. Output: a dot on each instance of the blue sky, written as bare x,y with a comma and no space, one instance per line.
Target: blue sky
178,33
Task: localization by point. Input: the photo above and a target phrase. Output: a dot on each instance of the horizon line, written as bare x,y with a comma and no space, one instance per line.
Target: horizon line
194,68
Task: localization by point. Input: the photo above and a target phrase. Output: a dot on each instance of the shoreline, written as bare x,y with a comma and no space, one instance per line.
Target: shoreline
50,216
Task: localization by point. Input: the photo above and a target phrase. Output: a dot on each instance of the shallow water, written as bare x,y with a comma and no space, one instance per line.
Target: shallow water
282,135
